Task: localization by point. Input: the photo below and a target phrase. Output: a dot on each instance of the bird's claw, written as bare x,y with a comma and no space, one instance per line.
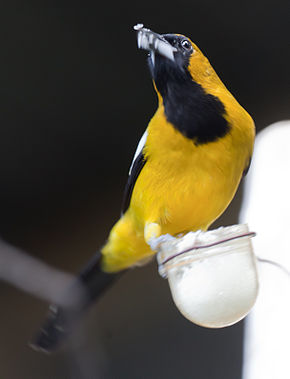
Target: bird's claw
156,242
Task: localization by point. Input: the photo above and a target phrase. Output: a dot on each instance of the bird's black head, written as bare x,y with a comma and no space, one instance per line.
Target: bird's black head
164,69
184,80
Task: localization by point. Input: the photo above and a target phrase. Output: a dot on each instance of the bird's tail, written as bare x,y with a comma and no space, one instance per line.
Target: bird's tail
88,286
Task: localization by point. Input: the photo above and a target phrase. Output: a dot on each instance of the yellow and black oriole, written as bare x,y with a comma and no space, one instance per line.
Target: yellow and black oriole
186,169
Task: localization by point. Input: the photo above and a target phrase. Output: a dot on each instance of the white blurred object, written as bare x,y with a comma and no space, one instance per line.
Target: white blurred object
212,275
266,208
37,278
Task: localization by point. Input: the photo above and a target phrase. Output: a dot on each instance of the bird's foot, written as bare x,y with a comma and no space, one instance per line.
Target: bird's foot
156,242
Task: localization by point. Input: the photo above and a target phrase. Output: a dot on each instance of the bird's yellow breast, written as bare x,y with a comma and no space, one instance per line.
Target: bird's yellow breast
182,187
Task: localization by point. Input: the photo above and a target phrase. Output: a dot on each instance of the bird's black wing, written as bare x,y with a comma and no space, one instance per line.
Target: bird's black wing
247,168
138,164
135,169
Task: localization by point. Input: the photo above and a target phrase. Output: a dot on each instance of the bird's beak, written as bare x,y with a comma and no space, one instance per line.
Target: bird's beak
154,43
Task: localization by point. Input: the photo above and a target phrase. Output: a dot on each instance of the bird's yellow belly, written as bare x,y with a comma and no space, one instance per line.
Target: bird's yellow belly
188,200
178,200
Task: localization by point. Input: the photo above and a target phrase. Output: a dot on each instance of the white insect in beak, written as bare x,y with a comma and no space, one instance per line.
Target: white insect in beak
154,43
152,56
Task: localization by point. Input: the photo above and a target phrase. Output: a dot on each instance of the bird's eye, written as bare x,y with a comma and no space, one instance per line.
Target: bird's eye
186,45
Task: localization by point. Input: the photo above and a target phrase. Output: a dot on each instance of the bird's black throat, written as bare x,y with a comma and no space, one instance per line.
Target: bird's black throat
196,114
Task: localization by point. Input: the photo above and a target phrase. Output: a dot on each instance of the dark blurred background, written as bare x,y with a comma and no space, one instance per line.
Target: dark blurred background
75,97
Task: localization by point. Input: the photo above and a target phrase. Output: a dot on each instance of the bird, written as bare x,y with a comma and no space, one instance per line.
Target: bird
184,174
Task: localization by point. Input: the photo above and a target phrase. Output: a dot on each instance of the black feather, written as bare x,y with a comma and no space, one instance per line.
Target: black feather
193,112
62,318
138,164
246,170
